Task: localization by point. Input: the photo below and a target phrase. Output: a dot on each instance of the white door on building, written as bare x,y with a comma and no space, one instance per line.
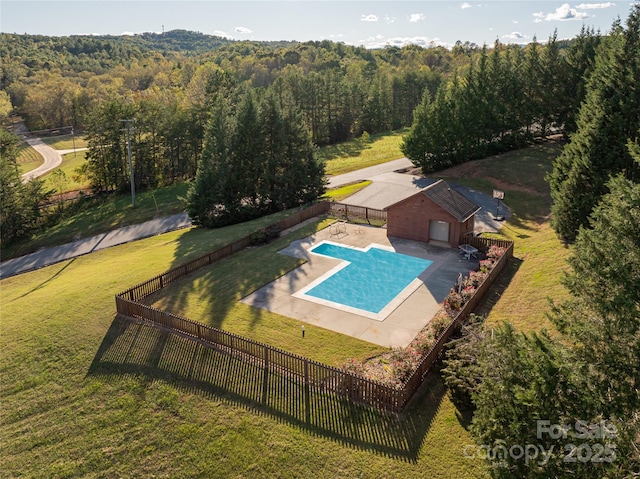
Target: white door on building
439,230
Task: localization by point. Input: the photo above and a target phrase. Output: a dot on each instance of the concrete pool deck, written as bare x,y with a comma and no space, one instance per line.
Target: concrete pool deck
401,325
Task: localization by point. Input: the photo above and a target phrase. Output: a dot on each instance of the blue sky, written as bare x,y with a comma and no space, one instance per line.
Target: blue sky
369,23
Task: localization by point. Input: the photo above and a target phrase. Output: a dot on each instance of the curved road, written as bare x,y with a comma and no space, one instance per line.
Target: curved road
52,158
380,174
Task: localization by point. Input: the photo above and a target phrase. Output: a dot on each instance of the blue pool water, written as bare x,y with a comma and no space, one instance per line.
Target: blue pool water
371,280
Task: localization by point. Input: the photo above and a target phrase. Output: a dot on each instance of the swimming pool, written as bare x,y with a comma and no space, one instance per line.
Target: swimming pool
367,281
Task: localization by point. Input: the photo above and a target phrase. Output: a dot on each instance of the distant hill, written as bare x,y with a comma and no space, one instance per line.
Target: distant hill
98,53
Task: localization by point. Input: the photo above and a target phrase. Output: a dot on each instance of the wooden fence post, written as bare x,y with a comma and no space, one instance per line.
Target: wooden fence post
265,375
307,398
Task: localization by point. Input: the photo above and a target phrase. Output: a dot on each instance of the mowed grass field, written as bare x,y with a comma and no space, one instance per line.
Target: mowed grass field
28,158
66,142
70,163
86,395
355,154
104,214
533,277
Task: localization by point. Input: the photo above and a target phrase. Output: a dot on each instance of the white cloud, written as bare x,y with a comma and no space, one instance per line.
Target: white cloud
562,13
515,22
390,20
380,42
127,34
369,18
592,6
220,33
465,5
416,17
515,36
243,30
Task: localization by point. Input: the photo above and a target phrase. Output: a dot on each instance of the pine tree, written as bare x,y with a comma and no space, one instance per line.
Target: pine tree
416,144
607,120
211,197
20,212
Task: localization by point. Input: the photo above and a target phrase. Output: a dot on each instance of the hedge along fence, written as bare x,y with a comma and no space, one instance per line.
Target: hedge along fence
315,376
415,380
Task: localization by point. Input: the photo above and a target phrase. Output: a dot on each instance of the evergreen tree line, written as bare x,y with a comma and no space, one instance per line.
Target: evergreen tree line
586,379
20,212
608,120
507,98
258,159
575,396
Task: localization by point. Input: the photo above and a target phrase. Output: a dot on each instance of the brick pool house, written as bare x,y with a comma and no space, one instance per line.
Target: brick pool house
436,214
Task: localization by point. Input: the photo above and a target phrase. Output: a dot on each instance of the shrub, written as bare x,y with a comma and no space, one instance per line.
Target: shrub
439,323
453,301
264,235
404,362
354,366
495,252
475,278
467,292
424,340
486,265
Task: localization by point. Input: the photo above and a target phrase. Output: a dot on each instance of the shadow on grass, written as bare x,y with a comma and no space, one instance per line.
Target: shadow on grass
218,288
345,149
498,288
143,351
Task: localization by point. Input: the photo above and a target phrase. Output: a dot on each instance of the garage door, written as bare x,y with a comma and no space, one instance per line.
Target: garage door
439,230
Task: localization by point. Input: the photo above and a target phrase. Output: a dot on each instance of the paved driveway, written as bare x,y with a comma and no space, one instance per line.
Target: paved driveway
390,187
84,246
368,173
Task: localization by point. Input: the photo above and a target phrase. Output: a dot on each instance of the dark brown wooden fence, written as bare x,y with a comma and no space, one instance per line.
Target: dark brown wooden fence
483,243
343,210
314,376
415,380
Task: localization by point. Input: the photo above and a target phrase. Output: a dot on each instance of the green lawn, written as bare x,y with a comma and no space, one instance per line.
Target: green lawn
540,257
343,192
100,215
210,295
66,142
355,154
87,395
28,158
70,162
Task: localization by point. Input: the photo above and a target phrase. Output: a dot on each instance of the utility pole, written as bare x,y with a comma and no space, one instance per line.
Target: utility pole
133,186
73,138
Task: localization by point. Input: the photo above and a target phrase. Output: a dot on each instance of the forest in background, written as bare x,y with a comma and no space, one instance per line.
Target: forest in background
167,82
587,376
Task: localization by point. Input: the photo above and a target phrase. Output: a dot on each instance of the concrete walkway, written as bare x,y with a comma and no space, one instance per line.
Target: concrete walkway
407,317
84,246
